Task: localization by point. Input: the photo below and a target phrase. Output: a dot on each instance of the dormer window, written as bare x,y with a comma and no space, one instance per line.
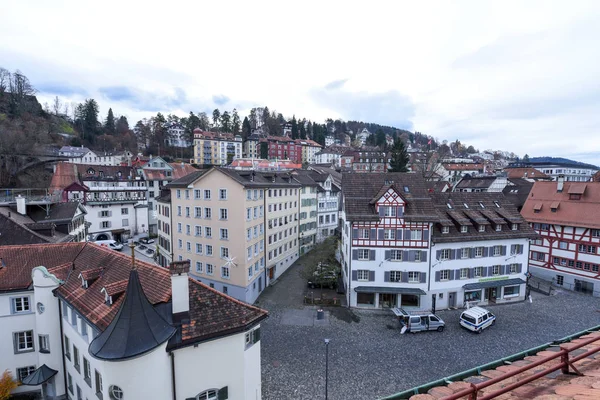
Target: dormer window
498,228
91,171
449,205
466,205
445,229
574,196
482,228
406,189
515,227
496,204
481,205
464,229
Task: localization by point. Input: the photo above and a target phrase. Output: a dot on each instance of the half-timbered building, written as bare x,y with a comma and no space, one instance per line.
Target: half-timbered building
566,215
386,220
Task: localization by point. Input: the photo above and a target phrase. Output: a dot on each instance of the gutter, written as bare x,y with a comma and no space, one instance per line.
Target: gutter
172,355
62,343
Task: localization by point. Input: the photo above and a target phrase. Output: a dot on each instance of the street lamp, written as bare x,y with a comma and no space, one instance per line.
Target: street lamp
326,364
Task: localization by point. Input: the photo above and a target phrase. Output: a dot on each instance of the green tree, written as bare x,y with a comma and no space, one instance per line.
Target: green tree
225,122
526,158
204,121
302,129
122,126
246,129
399,160
471,150
380,138
109,124
216,117
294,128
235,122
264,150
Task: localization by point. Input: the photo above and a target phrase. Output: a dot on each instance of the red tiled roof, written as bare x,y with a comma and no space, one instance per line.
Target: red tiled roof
67,173
181,169
527,173
584,212
462,166
212,313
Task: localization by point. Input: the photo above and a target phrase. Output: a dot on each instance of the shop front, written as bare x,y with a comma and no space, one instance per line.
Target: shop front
388,297
494,290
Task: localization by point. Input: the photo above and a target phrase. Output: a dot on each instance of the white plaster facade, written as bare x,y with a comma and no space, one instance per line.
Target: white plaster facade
327,210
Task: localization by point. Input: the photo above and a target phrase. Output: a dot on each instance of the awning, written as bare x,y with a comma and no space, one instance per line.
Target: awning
39,376
392,290
118,231
492,283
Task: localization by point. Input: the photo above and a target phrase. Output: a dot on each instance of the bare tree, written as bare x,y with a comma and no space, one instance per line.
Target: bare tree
66,109
56,105
4,80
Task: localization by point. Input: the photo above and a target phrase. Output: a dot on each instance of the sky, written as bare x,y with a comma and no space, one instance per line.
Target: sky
503,75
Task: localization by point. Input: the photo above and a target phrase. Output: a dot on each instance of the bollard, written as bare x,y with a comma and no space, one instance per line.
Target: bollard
320,314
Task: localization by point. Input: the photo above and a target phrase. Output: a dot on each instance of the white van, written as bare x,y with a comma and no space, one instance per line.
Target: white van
111,244
477,319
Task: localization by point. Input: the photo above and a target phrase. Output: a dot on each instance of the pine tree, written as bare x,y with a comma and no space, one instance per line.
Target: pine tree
216,117
294,128
109,125
235,122
400,158
246,129
122,126
225,122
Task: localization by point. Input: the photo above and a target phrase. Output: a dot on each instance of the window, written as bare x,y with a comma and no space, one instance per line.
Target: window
511,291
209,250
198,230
513,268
208,232
362,233
416,235
44,343
209,269
20,304
464,273
363,254
179,211
389,211
445,254
76,358
87,372
563,245
24,372
207,213
125,222
225,272
223,213
389,234
414,277
445,229
224,234
464,229
497,250
115,392
105,224
496,270
514,227
417,256
187,212
444,274
67,348
396,255
23,341
197,194
222,194
248,214
478,272
560,280
207,194
464,252
104,213
362,275
395,276
98,379
224,252
70,382
481,228
212,394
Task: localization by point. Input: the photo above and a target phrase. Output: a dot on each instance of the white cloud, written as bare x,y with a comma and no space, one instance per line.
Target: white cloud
513,75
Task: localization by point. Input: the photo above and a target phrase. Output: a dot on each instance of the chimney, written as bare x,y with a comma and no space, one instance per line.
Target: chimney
21,207
180,292
560,183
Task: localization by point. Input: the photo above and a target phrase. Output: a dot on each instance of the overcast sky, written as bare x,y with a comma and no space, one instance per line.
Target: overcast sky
520,76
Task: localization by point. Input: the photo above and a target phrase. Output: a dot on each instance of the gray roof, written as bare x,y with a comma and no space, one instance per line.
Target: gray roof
187,180
476,182
359,191
14,233
60,213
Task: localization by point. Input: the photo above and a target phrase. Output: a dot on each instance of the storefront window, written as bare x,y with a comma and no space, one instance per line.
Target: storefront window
409,300
365,299
474,295
511,291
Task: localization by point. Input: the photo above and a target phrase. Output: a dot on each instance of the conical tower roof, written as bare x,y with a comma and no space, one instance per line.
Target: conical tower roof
136,329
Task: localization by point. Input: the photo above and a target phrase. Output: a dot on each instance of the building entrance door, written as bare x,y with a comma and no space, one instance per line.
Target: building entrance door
272,273
451,299
387,300
491,294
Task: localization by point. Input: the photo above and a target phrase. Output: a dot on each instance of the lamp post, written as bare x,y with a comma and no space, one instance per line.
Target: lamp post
326,365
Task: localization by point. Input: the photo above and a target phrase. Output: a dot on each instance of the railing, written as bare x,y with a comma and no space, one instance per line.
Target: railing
473,390
30,195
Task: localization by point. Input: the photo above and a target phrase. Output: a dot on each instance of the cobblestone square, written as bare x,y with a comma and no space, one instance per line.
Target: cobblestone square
369,358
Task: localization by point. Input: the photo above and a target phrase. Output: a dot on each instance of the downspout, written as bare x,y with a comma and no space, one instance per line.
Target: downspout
62,343
430,259
172,355
350,270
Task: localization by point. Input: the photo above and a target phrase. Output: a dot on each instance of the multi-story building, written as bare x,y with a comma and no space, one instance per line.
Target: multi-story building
81,321
176,136
251,149
158,173
453,172
366,160
566,215
390,226
481,250
328,200
218,223
329,140
309,149
308,217
213,148
555,167
282,148
164,223
493,184
83,155
114,197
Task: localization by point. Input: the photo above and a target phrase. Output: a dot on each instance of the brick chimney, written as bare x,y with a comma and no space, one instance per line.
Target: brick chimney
180,292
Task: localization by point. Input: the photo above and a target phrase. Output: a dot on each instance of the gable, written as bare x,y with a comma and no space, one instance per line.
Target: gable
391,198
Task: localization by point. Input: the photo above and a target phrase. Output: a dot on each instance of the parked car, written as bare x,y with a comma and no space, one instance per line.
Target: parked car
146,240
477,319
150,252
142,247
418,321
324,276
111,244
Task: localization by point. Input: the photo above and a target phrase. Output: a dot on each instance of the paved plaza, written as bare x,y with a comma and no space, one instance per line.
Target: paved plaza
369,359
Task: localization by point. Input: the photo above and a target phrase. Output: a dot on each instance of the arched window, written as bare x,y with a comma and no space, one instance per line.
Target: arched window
115,392
210,394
